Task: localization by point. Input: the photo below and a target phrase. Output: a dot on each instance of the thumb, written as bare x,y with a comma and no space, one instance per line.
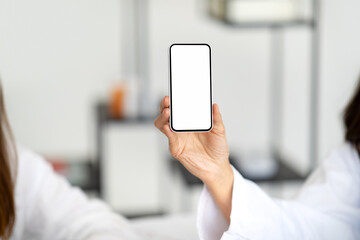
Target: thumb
217,119
170,134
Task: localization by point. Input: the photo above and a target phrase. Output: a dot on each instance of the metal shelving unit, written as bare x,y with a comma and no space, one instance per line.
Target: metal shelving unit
277,62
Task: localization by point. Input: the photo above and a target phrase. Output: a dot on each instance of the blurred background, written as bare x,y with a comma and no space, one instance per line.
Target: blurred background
83,79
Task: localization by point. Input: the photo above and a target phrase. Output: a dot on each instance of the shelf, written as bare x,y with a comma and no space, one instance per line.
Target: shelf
259,25
263,14
102,114
82,174
284,173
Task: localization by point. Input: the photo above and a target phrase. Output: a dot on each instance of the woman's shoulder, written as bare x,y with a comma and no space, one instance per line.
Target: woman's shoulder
344,157
30,174
335,182
30,169
29,162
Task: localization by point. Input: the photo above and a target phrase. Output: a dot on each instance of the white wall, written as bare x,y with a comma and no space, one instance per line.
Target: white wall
56,57
340,67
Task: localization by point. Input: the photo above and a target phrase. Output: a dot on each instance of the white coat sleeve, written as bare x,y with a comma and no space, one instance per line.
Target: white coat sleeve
327,207
55,210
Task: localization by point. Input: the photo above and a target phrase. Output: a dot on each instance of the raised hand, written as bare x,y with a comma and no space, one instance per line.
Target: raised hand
204,154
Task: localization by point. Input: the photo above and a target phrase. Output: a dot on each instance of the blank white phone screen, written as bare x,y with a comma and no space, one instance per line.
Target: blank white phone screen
190,87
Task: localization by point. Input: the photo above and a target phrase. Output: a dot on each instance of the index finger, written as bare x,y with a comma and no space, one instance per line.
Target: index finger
164,103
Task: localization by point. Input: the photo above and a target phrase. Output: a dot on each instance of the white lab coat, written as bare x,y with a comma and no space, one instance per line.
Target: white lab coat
48,208
327,206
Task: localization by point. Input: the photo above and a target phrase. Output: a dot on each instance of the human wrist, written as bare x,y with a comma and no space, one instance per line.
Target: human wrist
220,186
219,176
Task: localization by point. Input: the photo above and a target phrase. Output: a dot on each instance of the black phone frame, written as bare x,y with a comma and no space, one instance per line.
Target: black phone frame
170,81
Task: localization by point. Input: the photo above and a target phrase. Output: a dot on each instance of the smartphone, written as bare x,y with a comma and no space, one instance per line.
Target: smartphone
190,87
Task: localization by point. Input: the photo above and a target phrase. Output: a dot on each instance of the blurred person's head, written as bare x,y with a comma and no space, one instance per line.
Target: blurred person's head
352,119
7,162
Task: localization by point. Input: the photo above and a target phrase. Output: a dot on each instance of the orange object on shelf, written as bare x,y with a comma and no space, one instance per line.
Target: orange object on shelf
117,101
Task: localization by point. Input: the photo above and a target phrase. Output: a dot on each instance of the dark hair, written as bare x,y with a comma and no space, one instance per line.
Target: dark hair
352,119
7,176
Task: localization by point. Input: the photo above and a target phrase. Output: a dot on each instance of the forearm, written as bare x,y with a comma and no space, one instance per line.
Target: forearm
220,185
